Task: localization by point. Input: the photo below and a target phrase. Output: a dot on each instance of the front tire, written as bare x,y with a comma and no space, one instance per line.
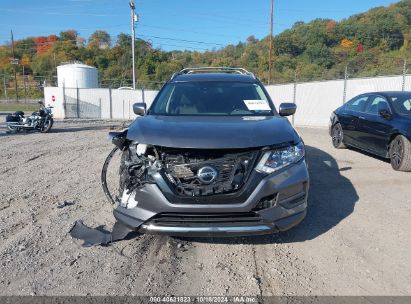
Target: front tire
400,154
337,136
47,127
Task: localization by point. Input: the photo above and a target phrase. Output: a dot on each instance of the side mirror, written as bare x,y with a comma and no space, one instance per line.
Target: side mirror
139,108
384,111
386,114
287,109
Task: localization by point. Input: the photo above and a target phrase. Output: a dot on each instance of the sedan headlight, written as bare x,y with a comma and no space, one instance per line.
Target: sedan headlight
276,159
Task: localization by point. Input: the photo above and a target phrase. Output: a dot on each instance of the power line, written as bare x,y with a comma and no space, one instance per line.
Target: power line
188,31
146,36
183,40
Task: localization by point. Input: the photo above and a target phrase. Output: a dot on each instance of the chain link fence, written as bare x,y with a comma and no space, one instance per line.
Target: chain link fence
317,100
99,103
26,89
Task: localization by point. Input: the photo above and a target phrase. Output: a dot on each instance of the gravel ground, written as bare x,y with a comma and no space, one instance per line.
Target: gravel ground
354,241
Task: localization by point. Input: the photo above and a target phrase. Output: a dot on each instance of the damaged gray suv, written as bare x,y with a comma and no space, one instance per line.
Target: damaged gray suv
211,157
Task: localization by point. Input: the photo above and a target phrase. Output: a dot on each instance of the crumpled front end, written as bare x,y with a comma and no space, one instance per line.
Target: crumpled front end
204,192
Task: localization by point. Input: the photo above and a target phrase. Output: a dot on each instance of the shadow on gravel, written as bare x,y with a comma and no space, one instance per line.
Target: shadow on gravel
332,198
4,132
80,129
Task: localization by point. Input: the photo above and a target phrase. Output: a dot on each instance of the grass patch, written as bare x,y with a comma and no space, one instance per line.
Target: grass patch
18,107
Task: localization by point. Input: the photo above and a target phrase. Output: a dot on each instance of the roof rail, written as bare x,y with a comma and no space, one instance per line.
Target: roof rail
213,69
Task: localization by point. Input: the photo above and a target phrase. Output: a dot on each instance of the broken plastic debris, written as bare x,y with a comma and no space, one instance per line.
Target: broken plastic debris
98,235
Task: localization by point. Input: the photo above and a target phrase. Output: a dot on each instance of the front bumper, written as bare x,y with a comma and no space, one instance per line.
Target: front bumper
276,203
229,229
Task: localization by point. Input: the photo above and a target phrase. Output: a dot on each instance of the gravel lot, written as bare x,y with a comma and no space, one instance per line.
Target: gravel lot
354,241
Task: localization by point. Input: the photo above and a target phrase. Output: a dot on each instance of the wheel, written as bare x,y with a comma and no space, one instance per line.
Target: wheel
337,136
13,129
47,126
400,154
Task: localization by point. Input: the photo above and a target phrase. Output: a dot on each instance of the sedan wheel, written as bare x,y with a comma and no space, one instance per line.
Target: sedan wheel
337,136
400,153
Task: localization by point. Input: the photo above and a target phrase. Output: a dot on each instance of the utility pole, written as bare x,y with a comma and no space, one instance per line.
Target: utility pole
271,42
404,75
133,38
14,62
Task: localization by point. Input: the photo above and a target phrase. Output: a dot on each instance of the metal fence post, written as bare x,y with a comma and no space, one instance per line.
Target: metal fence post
111,103
142,95
404,75
294,94
78,102
64,100
5,87
345,84
99,104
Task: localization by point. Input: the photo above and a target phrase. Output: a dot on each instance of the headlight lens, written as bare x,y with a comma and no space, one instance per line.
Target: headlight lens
277,159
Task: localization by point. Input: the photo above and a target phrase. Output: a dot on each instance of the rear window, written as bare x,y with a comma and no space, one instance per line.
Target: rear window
212,99
402,104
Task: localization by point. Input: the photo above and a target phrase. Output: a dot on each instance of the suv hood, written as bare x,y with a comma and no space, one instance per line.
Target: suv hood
212,132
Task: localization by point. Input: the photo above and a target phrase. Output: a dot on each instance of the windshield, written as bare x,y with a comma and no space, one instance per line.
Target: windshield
212,99
402,104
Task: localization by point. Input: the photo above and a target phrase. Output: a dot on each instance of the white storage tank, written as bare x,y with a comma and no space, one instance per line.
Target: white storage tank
77,75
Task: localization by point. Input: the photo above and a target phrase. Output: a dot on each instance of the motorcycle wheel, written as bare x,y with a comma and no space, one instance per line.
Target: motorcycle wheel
47,127
13,129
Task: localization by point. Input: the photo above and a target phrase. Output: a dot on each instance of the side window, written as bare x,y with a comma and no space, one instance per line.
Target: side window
402,105
375,104
357,104
407,104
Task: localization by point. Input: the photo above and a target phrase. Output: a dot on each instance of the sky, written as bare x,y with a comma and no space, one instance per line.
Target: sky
171,24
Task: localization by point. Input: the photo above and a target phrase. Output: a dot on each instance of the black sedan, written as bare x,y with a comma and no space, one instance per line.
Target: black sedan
378,123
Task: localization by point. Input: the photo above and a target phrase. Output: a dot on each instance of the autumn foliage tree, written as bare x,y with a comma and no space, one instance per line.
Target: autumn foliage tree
43,44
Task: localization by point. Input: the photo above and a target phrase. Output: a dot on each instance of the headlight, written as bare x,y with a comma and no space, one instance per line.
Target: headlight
277,159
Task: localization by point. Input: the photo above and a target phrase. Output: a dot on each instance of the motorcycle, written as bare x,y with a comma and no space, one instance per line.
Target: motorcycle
42,120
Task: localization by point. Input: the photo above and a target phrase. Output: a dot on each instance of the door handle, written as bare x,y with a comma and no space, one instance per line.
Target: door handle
361,117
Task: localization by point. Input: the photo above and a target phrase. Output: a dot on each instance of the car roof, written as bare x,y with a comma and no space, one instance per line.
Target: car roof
213,77
389,93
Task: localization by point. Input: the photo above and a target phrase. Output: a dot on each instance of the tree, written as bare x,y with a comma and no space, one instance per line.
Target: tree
321,55
251,39
70,35
99,39
124,40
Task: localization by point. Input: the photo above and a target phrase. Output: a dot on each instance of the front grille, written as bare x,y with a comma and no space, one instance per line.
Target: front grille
232,171
216,219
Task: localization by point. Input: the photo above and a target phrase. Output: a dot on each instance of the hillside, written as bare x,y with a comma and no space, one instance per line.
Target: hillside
371,43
